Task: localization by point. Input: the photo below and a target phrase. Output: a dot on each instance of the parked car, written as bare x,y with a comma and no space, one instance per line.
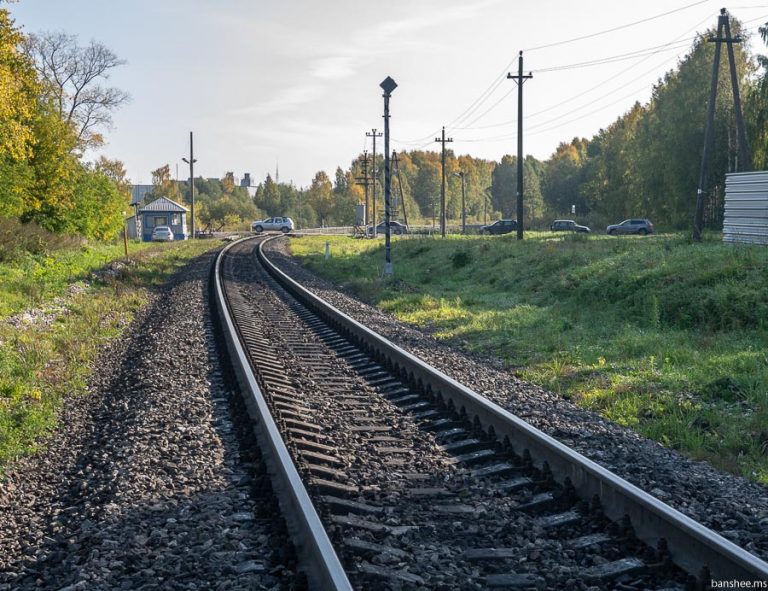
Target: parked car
499,227
394,228
275,224
162,234
632,226
568,226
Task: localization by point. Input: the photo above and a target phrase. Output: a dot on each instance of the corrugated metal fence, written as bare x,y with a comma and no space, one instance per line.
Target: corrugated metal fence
746,207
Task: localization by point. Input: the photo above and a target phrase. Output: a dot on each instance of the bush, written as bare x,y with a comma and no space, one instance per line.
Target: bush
17,239
460,258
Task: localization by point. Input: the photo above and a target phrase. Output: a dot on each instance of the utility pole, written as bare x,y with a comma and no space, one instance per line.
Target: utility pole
396,165
520,79
460,174
388,85
723,25
191,163
443,140
366,182
374,135
488,193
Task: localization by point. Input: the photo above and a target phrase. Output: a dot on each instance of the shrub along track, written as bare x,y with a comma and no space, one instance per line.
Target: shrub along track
420,483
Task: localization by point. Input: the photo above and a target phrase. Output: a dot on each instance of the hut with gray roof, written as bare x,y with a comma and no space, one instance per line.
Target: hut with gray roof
163,212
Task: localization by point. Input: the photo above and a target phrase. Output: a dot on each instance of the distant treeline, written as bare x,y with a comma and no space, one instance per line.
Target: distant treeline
646,163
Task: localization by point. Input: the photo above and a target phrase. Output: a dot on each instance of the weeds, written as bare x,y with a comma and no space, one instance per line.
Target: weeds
48,357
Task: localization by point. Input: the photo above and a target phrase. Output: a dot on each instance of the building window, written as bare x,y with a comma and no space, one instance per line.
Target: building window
176,219
159,221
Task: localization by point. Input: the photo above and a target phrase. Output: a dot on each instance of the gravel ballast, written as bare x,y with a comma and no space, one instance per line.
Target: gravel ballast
148,482
730,505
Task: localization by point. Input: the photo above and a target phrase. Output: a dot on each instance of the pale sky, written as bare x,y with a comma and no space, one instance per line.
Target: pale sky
296,82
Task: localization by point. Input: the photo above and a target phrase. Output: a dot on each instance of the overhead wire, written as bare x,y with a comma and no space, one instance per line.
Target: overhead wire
604,82
639,53
536,129
614,29
457,121
646,53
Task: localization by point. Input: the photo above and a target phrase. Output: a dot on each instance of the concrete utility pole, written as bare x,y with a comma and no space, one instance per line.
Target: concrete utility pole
520,79
443,140
366,182
191,163
460,174
743,159
388,85
374,135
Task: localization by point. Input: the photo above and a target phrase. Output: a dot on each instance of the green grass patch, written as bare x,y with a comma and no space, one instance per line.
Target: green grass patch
31,279
664,336
44,360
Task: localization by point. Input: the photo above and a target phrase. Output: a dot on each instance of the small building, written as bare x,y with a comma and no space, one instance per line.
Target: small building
746,207
163,212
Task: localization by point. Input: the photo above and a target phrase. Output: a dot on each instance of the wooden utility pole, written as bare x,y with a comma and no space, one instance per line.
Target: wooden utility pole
366,182
396,171
520,79
723,26
443,140
374,135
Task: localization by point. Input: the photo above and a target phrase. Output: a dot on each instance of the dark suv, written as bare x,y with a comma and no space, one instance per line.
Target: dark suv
499,227
640,226
568,226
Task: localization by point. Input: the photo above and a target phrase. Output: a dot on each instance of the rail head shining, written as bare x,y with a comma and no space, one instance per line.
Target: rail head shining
691,545
321,563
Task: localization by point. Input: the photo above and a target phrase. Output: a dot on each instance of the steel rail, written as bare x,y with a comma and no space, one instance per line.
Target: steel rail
321,564
692,546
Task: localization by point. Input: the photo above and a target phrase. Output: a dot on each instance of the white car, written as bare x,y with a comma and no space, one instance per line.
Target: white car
162,234
281,224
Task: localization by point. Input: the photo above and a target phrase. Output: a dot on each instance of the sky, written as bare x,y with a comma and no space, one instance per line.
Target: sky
293,85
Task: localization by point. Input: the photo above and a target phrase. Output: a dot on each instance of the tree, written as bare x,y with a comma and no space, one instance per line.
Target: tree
162,184
98,206
756,111
320,196
563,178
504,186
73,76
228,183
268,197
114,170
18,108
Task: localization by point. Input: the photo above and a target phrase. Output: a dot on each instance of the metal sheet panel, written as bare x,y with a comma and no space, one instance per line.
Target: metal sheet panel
746,208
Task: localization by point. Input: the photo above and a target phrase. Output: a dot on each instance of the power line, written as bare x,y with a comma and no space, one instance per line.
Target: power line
609,60
644,54
617,58
600,84
614,29
424,141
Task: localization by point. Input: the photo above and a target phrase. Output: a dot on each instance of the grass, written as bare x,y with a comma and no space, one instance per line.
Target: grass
42,362
658,334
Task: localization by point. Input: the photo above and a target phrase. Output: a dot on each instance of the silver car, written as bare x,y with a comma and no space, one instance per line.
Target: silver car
281,224
640,226
162,234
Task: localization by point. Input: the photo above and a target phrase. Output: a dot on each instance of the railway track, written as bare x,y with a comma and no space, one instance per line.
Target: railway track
393,475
